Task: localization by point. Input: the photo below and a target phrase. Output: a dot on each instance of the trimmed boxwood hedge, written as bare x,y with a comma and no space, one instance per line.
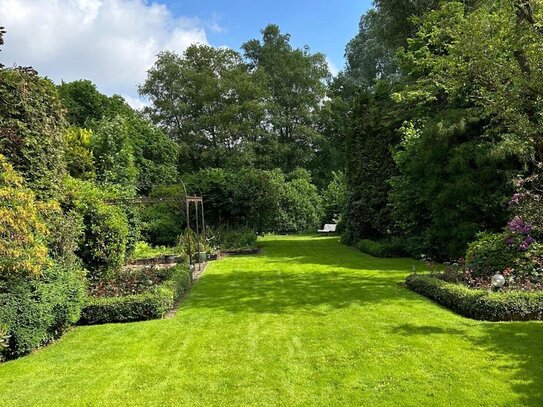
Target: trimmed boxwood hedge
138,307
479,304
35,311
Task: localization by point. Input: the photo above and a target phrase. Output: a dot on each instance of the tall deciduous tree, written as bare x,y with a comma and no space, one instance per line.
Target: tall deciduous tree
207,102
295,79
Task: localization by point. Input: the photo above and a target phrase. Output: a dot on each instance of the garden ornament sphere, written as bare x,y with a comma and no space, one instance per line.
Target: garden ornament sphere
498,281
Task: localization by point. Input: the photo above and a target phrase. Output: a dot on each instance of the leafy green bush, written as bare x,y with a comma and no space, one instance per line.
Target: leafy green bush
489,254
78,153
372,248
450,186
113,153
148,305
227,238
334,198
300,204
32,130
247,199
383,248
480,304
162,223
107,231
36,311
370,166
23,249
144,251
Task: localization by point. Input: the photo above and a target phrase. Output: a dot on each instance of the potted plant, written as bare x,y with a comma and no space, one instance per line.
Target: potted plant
201,254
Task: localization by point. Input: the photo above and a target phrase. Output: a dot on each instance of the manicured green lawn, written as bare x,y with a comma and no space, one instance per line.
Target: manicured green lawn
309,322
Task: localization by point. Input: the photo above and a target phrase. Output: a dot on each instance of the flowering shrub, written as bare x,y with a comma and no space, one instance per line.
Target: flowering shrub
149,304
479,304
515,253
23,232
527,204
129,281
519,234
525,272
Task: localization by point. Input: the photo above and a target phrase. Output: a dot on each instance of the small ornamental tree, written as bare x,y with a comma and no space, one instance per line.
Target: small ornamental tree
23,249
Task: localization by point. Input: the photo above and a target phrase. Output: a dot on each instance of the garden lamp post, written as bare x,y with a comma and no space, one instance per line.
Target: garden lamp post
497,281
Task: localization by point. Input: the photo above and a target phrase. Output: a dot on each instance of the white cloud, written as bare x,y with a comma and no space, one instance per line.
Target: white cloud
136,102
334,70
111,42
214,24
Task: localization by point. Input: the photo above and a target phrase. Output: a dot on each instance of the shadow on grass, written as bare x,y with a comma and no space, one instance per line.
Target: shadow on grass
275,292
520,341
344,282
327,251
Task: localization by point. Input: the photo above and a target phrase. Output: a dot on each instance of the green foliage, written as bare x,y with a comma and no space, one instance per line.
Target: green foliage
334,198
162,223
212,106
145,251
155,154
390,247
228,112
113,154
258,199
300,204
294,80
370,166
23,246
480,304
83,103
331,155
149,305
78,153
489,254
450,185
107,228
226,238
461,98
31,125
488,57
254,198
37,310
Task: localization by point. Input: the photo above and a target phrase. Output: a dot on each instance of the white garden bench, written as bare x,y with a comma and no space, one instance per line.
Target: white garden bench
328,228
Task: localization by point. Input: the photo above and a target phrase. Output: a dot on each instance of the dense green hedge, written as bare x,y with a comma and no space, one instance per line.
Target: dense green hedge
384,248
138,307
480,304
261,200
35,311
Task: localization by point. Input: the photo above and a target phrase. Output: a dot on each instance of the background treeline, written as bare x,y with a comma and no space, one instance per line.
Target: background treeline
246,131
443,104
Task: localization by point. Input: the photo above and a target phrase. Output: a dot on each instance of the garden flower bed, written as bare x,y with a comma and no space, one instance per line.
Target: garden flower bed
479,303
147,293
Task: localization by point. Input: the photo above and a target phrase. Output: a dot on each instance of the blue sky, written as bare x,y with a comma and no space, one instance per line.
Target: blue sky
326,26
114,42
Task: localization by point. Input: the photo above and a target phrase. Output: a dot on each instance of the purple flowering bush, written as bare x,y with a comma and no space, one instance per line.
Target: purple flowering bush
515,253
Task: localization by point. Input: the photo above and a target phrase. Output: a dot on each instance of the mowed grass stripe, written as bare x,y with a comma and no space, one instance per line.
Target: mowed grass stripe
308,322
